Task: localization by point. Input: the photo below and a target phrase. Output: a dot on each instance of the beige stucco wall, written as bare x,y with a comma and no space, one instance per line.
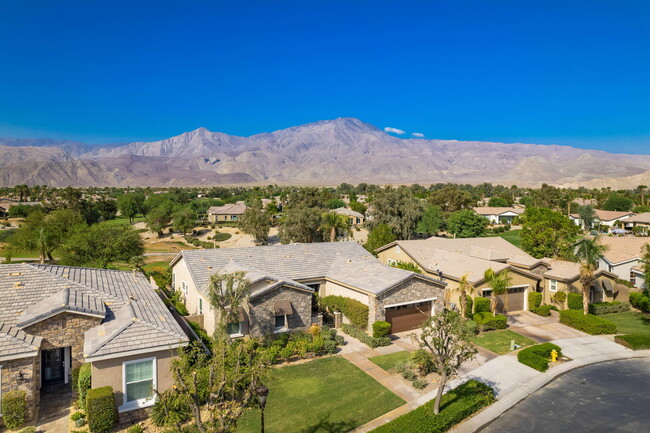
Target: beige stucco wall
573,286
391,253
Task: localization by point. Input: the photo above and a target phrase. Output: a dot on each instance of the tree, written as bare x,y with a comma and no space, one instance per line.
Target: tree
333,224
226,293
449,338
588,251
499,283
106,208
498,202
466,223
130,205
379,236
257,222
451,199
637,209
184,219
300,224
101,245
397,208
641,189
358,207
546,233
159,217
466,289
645,263
587,215
407,266
431,221
22,191
335,203
618,203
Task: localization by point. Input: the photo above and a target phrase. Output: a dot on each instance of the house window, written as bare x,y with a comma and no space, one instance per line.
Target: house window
398,249
173,280
281,323
234,329
633,278
552,285
139,383
358,220
184,288
234,218
200,305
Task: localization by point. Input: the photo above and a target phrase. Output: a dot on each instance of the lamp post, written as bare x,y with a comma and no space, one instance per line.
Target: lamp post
262,391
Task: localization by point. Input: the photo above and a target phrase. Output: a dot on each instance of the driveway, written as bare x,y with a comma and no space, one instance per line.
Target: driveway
540,328
607,397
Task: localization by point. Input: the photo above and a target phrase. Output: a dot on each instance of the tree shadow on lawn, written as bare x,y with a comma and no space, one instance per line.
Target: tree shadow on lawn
327,426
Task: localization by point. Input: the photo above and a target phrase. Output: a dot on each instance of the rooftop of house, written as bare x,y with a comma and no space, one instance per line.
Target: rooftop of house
568,271
607,215
348,212
488,210
132,315
344,262
228,209
640,218
623,248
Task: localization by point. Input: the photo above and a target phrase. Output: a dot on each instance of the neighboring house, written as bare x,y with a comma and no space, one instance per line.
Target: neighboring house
564,276
603,217
499,215
354,218
623,257
55,318
227,212
284,279
641,220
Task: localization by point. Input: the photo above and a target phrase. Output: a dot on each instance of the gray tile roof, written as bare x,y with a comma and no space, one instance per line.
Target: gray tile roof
345,262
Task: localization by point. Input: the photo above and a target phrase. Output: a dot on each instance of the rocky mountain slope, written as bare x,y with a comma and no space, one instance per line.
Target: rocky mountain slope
322,153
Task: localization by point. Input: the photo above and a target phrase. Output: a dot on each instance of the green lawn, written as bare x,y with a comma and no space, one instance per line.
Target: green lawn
324,395
498,341
629,322
122,220
389,362
155,266
512,236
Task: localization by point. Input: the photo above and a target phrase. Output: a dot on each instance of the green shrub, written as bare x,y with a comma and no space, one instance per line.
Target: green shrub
200,332
380,329
455,406
75,378
423,361
77,415
84,382
136,428
624,282
470,304
355,311
537,356
635,341
559,298
220,237
366,339
486,321
590,324
640,301
100,406
30,429
14,408
574,301
544,310
534,300
600,308
481,305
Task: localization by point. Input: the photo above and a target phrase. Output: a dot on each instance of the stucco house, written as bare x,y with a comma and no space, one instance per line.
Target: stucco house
55,318
623,257
564,276
227,212
354,218
499,215
284,279
641,220
603,217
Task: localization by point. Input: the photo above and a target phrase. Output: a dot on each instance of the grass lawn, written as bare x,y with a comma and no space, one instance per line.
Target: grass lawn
122,220
389,362
512,236
629,322
155,266
327,394
498,341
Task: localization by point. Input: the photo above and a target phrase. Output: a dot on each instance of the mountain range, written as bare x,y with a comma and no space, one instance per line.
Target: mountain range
327,152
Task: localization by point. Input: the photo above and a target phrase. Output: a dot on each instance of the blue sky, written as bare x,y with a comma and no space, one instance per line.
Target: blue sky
575,73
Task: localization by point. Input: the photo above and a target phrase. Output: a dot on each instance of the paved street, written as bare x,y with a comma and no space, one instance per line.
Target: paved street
607,397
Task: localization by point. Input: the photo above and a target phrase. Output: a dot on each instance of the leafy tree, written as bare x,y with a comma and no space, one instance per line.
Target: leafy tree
184,219
431,221
546,233
101,245
22,191
397,208
407,266
466,223
226,293
618,203
106,208
333,224
300,224
160,217
465,288
379,236
358,207
499,283
22,210
645,263
130,205
637,209
335,203
451,199
449,338
498,202
257,222
588,251
587,215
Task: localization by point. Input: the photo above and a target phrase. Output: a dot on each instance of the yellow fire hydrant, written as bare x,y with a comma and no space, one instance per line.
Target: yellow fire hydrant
553,355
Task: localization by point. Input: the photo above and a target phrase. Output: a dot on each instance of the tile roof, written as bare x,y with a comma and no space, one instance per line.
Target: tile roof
640,218
565,270
348,212
227,209
623,248
488,210
610,215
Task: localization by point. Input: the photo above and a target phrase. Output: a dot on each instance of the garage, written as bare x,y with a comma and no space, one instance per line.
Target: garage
516,299
407,317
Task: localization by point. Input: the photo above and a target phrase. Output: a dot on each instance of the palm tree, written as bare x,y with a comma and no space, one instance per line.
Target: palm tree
499,284
588,252
333,223
642,189
465,289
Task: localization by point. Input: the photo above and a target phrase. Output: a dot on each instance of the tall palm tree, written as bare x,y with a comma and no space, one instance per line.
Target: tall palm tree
332,223
465,288
642,189
499,283
588,252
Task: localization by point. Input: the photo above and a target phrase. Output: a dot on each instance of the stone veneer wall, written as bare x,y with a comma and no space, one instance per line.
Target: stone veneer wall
11,380
262,318
412,290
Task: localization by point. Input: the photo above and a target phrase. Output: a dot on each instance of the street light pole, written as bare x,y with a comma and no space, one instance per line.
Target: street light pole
262,391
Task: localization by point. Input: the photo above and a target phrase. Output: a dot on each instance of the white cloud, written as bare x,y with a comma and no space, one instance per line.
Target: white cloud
394,130
418,134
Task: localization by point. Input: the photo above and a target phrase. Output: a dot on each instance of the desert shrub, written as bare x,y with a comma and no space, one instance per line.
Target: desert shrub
423,361
537,356
419,383
544,310
486,321
600,308
534,300
380,329
481,305
635,341
170,410
366,339
354,310
574,301
100,406
470,305
14,408
590,324
84,383
79,419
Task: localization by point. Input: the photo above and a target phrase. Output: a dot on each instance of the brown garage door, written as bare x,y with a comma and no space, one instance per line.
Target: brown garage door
407,317
516,298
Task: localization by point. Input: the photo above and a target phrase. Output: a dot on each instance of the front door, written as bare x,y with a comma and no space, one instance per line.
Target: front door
53,366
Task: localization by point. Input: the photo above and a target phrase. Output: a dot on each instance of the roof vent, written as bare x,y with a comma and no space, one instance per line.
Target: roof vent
18,285
209,267
133,298
349,260
15,274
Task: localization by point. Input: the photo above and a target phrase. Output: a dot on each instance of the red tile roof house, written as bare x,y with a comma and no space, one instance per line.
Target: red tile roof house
55,318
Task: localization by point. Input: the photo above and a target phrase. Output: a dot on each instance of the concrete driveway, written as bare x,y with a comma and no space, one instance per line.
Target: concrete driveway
540,328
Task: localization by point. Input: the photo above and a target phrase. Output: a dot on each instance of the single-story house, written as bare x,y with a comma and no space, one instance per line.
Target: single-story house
285,278
623,257
499,215
354,218
604,217
227,212
564,276
55,318
640,220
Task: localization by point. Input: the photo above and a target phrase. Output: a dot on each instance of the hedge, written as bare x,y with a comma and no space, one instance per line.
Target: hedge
380,329
469,306
101,410
544,310
590,324
456,405
600,308
486,321
366,339
14,407
537,356
355,311
634,341
481,305
574,301
84,383
640,301
534,300
75,378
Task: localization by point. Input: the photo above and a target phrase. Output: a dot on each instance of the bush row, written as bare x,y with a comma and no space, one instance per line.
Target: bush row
544,310
470,304
590,324
600,308
299,344
355,311
84,383
199,243
14,409
456,405
534,300
537,356
366,339
485,321
640,301
574,301
635,341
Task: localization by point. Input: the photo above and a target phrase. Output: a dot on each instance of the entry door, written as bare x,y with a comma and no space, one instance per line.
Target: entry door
53,366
